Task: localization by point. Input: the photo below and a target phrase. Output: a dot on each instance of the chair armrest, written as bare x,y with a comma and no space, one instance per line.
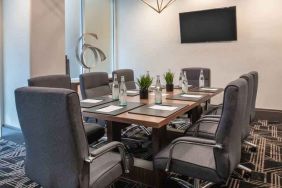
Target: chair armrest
211,116
208,119
109,147
198,124
190,141
194,140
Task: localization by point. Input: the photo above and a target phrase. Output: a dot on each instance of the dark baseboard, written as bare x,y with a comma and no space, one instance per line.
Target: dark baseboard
11,127
269,114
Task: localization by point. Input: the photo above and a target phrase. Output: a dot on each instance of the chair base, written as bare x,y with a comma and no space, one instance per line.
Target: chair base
142,128
244,168
186,184
253,146
248,172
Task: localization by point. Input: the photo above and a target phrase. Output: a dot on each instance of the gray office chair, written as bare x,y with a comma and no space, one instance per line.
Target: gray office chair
193,74
252,79
94,84
217,111
246,125
212,160
253,106
128,76
130,85
57,153
93,131
54,81
206,127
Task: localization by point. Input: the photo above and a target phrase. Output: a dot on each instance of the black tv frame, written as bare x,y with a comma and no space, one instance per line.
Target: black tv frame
208,41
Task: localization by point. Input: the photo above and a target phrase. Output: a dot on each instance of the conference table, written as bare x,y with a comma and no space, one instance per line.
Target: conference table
159,135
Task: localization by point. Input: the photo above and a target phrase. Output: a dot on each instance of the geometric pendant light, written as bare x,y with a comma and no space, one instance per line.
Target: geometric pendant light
158,5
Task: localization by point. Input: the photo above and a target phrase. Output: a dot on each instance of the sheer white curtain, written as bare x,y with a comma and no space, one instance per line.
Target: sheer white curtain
98,18
90,16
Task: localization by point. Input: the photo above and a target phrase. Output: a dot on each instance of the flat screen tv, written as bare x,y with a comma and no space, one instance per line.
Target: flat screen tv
208,25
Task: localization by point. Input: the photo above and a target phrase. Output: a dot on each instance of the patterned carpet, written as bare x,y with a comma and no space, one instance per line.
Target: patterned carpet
266,162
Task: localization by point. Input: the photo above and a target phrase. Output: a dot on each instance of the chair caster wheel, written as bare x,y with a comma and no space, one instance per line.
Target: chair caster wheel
218,186
253,149
247,175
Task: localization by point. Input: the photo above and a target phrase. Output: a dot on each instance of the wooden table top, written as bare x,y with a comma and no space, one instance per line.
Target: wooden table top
152,121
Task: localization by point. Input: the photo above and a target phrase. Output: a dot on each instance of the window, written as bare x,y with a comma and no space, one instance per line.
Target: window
95,16
98,19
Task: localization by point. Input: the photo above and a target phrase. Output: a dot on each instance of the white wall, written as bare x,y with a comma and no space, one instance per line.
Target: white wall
16,14
149,41
33,45
47,42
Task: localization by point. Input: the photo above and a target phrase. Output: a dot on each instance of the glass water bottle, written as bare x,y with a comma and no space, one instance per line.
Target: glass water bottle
158,91
201,79
184,83
180,79
122,93
115,88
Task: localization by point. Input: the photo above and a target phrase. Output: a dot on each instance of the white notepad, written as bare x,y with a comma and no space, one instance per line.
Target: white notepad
132,92
208,89
110,108
163,107
192,96
93,101
163,94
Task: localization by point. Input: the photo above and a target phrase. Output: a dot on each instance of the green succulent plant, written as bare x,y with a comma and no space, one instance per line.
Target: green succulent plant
144,82
168,76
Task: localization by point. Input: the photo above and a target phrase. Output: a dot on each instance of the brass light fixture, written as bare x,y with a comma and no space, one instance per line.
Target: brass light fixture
158,5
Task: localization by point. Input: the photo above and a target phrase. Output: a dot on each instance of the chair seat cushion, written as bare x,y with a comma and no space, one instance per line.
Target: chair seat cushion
93,132
105,170
204,129
190,160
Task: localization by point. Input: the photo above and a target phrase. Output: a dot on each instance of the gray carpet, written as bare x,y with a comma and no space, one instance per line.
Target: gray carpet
266,162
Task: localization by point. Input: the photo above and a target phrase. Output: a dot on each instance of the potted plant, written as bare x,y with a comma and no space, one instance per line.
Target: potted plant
144,82
168,76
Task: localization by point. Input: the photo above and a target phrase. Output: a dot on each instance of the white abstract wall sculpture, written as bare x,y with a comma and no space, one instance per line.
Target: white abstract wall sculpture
81,48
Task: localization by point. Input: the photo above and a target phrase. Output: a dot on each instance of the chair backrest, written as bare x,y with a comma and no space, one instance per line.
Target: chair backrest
246,125
94,84
56,144
254,98
193,74
229,130
54,81
128,76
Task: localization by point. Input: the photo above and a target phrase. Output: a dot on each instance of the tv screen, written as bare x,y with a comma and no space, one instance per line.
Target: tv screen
208,25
